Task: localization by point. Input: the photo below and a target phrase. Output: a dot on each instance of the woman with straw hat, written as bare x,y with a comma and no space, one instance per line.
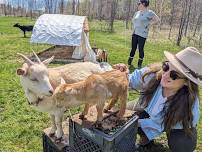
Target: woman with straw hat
169,99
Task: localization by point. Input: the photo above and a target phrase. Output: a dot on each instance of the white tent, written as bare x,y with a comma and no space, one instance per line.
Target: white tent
64,30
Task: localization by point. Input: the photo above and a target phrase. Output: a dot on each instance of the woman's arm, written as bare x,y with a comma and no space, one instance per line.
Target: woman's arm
155,19
133,20
135,78
196,112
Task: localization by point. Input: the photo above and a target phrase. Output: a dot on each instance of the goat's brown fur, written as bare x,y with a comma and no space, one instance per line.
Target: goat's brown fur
96,89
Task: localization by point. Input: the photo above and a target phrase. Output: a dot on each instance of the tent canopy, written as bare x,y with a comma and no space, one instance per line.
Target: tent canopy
59,29
66,30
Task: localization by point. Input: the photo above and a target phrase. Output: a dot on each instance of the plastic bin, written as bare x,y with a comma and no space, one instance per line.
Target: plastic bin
93,140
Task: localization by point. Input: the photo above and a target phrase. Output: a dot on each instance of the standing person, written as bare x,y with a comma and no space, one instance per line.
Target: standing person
142,19
169,100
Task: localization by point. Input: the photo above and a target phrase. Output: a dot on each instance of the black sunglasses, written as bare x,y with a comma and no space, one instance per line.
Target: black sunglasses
173,74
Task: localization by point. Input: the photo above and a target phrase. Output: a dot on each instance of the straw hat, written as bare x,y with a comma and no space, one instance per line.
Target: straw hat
188,62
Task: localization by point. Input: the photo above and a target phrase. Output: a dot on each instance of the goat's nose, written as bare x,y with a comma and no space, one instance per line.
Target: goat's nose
51,91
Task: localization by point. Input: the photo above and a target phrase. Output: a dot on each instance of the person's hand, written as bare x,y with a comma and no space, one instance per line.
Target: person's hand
122,67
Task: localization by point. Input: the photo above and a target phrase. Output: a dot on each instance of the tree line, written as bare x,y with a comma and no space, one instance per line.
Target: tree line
182,16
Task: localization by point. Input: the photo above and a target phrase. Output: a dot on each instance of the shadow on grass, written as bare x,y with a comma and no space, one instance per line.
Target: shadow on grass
21,37
27,37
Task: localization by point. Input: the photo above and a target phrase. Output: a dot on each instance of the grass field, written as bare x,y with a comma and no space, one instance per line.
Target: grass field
21,126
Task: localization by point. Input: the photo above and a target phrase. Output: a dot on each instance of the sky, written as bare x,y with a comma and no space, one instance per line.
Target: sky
2,1
15,3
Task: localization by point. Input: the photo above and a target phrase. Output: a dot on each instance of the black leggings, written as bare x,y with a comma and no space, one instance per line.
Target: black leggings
140,41
178,141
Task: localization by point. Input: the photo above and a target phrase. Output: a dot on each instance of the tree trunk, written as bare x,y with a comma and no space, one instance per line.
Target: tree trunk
89,9
78,7
187,23
172,17
182,23
128,11
73,6
200,40
5,11
114,6
100,6
160,13
197,24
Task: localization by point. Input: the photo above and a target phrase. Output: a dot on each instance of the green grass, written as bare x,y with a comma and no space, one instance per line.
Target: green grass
21,126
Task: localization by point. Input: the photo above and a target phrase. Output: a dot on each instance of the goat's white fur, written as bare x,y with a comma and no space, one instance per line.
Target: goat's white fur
38,81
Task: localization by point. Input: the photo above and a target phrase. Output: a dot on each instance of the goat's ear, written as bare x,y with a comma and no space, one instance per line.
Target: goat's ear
21,71
62,81
70,91
47,61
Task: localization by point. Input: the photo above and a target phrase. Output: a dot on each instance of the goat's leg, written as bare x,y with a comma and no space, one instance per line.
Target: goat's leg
100,107
59,132
24,34
123,100
85,111
106,57
111,104
53,125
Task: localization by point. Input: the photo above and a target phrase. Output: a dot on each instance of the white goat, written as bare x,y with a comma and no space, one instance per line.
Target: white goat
39,82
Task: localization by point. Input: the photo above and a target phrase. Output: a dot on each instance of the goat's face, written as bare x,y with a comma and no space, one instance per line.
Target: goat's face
16,25
64,95
59,94
34,77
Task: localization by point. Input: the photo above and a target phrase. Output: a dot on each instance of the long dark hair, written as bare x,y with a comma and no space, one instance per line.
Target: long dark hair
178,108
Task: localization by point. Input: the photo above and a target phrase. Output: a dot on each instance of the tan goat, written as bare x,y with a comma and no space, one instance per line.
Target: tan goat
95,90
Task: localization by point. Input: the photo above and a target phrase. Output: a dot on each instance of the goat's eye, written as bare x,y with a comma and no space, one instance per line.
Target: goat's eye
34,79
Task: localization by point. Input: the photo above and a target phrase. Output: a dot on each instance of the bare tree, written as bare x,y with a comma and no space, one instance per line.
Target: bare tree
73,7
182,22
61,6
160,11
128,12
198,23
173,3
114,6
198,19
100,9
89,10
50,6
5,11
30,7
78,7
188,15
22,9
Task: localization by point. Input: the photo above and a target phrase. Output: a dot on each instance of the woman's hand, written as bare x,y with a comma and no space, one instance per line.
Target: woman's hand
155,20
122,67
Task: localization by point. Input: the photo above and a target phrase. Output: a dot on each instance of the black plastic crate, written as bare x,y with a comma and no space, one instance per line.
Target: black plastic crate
49,144
93,140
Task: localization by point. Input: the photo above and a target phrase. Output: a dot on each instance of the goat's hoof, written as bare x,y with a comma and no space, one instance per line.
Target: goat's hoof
119,115
98,124
58,140
105,110
51,134
82,117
